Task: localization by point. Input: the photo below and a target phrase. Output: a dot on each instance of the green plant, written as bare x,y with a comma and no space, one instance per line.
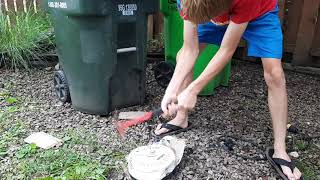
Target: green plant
26,150
309,173
156,44
11,100
67,162
301,145
61,164
25,38
9,132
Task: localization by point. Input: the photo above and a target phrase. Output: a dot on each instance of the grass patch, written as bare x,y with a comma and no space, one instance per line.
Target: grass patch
309,165
80,157
26,38
9,103
61,163
301,145
9,133
70,161
67,161
81,137
26,150
11,100
10,128
309,173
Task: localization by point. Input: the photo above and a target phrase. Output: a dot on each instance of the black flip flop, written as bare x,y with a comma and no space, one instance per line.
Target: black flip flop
277,163
173,129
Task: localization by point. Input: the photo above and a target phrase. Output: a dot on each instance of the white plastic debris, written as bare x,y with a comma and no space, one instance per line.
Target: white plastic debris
131,115
43,140
294,154
156,161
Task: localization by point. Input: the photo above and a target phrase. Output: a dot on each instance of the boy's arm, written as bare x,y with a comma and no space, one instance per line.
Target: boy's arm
187,56
228,46
188,98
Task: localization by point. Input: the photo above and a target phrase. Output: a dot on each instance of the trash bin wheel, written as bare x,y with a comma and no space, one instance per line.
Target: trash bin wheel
61,86
163,73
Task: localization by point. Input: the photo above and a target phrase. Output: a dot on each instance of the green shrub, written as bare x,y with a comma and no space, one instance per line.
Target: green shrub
27,37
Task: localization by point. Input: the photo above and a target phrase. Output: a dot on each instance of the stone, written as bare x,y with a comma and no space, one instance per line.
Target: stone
57,67
294,154
48,68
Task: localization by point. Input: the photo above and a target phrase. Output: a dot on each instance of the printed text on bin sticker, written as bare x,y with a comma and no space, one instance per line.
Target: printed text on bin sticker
127,9
62,5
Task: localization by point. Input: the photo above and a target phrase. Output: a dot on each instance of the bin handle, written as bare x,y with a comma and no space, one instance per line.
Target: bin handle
172,1
125,50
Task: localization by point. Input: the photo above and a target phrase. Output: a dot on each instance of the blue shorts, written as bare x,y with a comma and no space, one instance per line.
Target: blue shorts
263,35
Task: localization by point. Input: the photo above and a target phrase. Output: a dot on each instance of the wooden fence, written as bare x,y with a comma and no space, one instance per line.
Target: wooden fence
18,5
7,6
299,18
301,31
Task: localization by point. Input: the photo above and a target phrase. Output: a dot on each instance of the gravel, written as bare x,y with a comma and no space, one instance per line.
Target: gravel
236,118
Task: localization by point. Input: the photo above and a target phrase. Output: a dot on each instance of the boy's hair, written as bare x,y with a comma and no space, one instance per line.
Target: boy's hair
200,11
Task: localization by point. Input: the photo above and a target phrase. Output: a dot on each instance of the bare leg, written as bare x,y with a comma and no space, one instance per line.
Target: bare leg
181,118
278,106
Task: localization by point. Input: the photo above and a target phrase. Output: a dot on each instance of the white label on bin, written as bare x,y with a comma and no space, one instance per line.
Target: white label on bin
127,9
61,5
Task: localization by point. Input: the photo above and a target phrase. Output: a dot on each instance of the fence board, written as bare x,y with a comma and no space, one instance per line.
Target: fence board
306,32
150,27
315,50
291,23
158,20
298,17
1,7
281,10
19,5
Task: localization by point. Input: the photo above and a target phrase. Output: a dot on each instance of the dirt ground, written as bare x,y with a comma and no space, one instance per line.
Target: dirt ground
233,127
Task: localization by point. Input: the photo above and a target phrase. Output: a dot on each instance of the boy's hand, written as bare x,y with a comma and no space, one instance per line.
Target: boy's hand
168,104
187,99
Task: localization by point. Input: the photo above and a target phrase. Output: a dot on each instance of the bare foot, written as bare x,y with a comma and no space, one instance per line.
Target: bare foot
296,174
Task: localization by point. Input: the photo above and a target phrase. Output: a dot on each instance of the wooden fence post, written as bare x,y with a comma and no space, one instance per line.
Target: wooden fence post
24,5
291,24
0,7
15,5
158,20
7,10
315,50
150,27
281,10
306,32
35,6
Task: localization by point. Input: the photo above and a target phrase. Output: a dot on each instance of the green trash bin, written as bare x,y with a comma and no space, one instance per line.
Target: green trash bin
102,51
173,36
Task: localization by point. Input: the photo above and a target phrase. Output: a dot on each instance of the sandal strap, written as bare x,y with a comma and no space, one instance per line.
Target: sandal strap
283,162
171,127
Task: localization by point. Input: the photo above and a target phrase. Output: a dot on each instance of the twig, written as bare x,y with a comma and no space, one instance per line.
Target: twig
125,170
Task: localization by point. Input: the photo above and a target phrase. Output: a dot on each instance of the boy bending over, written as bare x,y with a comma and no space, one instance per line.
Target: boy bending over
224,23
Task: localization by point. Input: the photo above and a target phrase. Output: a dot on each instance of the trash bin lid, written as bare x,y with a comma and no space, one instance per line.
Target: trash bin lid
150,159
